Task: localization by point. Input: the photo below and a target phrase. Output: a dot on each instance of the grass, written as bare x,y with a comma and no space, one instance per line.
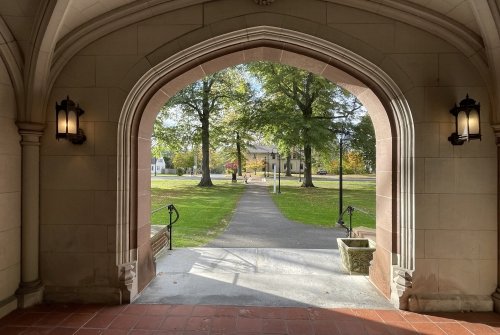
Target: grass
319,205
204,211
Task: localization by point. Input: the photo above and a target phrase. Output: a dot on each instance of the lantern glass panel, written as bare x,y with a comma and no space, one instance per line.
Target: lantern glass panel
61,122
474,122
463,129
72,122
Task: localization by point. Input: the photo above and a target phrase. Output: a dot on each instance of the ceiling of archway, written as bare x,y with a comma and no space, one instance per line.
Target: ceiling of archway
17,14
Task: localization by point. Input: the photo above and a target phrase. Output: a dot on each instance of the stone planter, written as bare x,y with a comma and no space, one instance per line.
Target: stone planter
356,254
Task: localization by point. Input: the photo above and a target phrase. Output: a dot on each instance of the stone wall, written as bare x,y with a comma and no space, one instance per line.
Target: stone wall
455,187
10,196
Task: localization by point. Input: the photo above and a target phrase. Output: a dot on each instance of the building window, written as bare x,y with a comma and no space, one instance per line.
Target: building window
273,156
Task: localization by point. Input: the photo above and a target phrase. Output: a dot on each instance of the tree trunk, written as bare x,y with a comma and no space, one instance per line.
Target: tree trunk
307,168
238,152
288,167
155,166
205,159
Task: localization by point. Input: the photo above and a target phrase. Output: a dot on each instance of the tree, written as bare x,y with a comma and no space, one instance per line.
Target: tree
204,100
363,140
299,108
255,165
183,159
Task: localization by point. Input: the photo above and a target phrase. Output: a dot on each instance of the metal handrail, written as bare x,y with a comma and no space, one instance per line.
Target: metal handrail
171,210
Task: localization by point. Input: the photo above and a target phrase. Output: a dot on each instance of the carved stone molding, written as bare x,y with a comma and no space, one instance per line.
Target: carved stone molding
401,282
128,282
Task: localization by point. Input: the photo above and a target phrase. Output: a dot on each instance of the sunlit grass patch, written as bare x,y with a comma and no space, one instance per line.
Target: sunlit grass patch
319,205
204,211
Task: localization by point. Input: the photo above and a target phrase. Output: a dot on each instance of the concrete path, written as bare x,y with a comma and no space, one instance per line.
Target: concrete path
262,259
258,223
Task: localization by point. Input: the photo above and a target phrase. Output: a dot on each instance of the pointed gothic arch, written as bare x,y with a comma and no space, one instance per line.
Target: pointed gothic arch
394,260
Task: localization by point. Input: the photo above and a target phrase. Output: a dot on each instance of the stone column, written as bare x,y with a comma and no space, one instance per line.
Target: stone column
30,291
496,295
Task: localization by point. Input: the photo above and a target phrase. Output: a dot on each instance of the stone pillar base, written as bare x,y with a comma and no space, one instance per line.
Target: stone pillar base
7,306
496,300
425,303
30,294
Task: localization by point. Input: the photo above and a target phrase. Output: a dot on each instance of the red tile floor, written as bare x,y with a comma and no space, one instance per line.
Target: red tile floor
188,319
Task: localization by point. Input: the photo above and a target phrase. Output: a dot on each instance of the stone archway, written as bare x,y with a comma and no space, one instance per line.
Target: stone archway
395,257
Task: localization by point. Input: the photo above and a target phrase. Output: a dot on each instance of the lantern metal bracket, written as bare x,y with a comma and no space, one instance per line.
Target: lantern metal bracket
466,105
79,137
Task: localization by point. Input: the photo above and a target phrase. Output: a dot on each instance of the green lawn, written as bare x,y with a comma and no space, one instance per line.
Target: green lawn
204,212
319,205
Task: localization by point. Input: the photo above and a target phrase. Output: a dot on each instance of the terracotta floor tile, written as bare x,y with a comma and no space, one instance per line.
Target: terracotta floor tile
37,330
299,327
321,314
368,314
350,327
400,328
441,317
77,320
226,311
325,327
198,323
414,317
136,309
428,328
88,308
100,321
248,325
251,312
63,331
115,331
203,311
391,316
223,324
273,326
181,310
174,323
273,313
160,310
478,328
52,319
140,332
112,310
124,321
89,332
453,328
12,330
149,322
297,314
28,319
375,327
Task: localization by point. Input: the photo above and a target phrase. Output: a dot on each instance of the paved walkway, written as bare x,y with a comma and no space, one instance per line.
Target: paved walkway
218,320
258,223
262,259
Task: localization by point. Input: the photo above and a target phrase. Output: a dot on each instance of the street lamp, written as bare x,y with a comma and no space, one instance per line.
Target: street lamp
342,135
300,165
279,173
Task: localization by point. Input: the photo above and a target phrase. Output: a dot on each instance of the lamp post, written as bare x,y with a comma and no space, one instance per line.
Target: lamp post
279,173
341,195
300,166
342,135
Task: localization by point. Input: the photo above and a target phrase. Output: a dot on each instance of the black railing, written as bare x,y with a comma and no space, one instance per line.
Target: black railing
171,210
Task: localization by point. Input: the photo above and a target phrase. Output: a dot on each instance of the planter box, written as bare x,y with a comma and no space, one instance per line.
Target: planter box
356,254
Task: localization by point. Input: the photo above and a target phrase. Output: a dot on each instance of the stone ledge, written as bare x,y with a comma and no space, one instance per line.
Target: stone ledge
92,294
8,305
424,303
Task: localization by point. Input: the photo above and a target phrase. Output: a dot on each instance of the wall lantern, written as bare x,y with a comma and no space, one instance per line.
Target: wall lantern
68,121
467,122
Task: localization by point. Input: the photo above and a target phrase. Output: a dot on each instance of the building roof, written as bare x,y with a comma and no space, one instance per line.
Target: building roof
261,149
